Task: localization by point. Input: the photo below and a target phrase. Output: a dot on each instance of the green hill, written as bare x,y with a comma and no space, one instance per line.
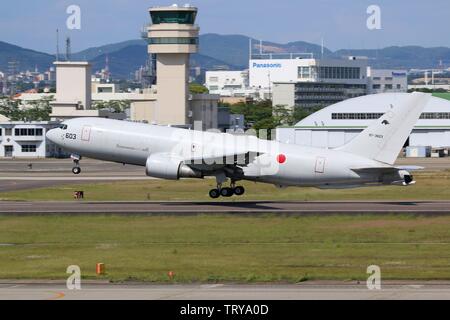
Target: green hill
27,59
224,51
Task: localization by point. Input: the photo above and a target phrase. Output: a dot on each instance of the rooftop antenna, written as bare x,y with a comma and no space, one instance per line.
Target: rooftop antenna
57,44
249,49
107,74
68,49
322,48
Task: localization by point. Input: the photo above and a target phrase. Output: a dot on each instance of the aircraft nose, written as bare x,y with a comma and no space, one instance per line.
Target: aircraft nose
51,135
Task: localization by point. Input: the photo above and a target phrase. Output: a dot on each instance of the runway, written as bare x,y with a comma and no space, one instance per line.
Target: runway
26,174
304,291
225,207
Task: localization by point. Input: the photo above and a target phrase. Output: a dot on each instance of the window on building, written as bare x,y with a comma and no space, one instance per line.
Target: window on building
339,73
213,88
435,115
304,72
213,79
181,17
167,40
8,132
26,148
105,90
388,86
28,132
373,116
376,78
399,86
356,116
388,78
1,131
376,86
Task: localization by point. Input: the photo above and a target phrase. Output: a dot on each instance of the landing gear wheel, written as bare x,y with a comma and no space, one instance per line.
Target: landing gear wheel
76,170
214,193
239,191
226,192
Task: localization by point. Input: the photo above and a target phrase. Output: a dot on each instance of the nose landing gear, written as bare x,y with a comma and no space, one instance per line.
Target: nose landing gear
76,160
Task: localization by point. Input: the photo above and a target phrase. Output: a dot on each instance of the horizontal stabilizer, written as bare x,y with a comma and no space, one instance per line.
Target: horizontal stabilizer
376,170
410,168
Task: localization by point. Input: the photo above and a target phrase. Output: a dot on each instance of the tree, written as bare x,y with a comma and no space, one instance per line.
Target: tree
262,115
116,105
197,88
38,110
282,115
301,113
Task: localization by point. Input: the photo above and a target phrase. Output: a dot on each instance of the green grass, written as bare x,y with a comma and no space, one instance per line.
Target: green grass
442,95
209,248
430,186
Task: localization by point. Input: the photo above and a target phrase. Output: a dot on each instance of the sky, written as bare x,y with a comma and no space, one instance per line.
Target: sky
341,23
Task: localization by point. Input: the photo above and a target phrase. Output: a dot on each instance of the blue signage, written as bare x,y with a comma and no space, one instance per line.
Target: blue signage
398,74
266,65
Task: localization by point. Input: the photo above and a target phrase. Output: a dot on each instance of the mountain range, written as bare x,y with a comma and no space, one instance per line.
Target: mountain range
224,52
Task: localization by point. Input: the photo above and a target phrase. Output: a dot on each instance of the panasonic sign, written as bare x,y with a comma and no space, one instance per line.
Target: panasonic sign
398,74
267,65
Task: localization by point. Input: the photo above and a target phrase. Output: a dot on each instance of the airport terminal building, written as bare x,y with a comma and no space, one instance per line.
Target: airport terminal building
337,124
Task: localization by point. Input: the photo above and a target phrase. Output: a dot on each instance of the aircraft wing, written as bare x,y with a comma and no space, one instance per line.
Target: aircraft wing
241,159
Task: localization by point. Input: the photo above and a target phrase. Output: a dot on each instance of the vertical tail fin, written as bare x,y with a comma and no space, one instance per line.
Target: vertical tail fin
383,140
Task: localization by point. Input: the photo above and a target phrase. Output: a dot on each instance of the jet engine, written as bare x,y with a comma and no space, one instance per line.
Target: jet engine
165,166
402,178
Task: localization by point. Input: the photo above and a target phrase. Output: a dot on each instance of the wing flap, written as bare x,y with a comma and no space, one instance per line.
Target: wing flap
234,159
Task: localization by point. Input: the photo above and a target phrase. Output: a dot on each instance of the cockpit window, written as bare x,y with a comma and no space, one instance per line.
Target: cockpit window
63,126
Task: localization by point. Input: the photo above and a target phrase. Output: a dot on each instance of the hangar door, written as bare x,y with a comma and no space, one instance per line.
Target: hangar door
437,139
336,139
303,137
433,138
349,135
319,138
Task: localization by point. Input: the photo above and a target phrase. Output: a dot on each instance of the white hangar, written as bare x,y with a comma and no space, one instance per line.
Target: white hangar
337,124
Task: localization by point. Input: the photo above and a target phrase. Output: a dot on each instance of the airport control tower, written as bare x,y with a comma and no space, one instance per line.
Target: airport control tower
173,36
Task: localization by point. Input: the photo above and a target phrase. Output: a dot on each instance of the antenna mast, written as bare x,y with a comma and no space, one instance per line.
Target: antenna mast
68,49
57,44
322,48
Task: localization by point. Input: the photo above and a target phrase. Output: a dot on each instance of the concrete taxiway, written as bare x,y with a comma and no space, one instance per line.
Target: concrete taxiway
306,291
232,207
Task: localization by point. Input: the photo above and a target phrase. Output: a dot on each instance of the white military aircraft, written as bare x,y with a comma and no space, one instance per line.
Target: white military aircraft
174,153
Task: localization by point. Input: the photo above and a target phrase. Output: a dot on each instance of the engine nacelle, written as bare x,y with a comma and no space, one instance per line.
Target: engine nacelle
403,178
164,166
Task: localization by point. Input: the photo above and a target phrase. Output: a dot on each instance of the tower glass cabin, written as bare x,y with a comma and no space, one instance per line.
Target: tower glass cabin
171,16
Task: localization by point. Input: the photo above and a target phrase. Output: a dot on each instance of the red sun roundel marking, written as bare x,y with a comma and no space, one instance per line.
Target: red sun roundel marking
281,158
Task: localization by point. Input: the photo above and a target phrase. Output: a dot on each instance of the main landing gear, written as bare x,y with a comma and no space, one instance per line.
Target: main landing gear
227,191
76,160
